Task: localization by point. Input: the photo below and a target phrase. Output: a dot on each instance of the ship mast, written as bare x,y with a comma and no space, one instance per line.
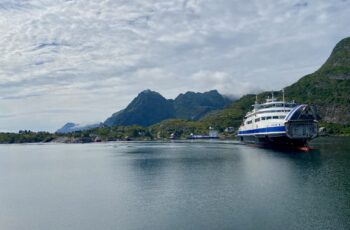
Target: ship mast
256,102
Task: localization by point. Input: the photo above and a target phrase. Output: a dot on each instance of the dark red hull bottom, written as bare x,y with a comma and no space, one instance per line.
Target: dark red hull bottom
281,142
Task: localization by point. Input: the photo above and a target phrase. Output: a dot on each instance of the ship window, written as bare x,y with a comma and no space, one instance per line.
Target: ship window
263,118
268,118
273,111
282,117
249,122
275,117
257,120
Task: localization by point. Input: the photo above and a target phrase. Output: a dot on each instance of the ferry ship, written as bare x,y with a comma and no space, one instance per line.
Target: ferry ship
279,124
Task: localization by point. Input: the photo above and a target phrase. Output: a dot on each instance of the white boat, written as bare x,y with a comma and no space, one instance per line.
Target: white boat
279,123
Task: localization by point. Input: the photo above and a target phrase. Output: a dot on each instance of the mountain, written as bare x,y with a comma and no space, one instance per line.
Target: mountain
147,108
337,65
328,89
150,107
193,106
72,127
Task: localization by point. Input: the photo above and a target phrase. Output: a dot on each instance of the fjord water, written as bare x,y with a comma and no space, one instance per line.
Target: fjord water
174,185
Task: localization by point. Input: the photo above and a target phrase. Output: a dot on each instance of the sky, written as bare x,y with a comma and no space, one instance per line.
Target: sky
82,60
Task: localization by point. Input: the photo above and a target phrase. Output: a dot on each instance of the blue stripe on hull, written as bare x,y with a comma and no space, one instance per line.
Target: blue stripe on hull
264,130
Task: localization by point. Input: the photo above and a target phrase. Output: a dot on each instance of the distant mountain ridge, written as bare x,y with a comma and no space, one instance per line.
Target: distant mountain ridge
150,107
193,106
72,127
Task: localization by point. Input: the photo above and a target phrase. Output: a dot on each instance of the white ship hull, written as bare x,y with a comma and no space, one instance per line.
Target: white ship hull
279,124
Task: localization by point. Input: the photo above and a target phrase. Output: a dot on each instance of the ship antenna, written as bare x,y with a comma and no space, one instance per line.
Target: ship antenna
284,103
272,98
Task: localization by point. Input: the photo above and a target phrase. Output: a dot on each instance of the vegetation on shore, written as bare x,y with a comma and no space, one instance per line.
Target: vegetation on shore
26,137
332,129
86,136
177,128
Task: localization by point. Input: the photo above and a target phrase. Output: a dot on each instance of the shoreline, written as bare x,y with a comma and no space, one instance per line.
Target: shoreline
130,140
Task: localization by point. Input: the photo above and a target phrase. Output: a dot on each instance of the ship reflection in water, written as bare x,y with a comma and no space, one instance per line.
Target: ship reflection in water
174,185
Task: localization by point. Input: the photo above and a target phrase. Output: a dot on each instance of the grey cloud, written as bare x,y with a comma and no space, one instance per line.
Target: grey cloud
301,4
67,54
7,115
16,97
10,5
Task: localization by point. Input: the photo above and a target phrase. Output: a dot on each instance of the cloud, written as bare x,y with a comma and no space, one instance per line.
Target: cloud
224,82
95,56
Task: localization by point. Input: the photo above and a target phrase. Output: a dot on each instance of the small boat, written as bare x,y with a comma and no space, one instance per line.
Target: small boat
213,134
279,124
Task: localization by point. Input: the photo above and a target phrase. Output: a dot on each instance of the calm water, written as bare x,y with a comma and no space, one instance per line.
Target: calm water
200,185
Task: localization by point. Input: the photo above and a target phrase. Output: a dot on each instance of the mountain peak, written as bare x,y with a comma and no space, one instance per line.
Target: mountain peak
337,65
328,88
148,91
149,107
213,91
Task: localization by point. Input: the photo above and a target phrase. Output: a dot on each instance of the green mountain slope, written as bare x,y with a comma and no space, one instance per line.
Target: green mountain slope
150,107
328,89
